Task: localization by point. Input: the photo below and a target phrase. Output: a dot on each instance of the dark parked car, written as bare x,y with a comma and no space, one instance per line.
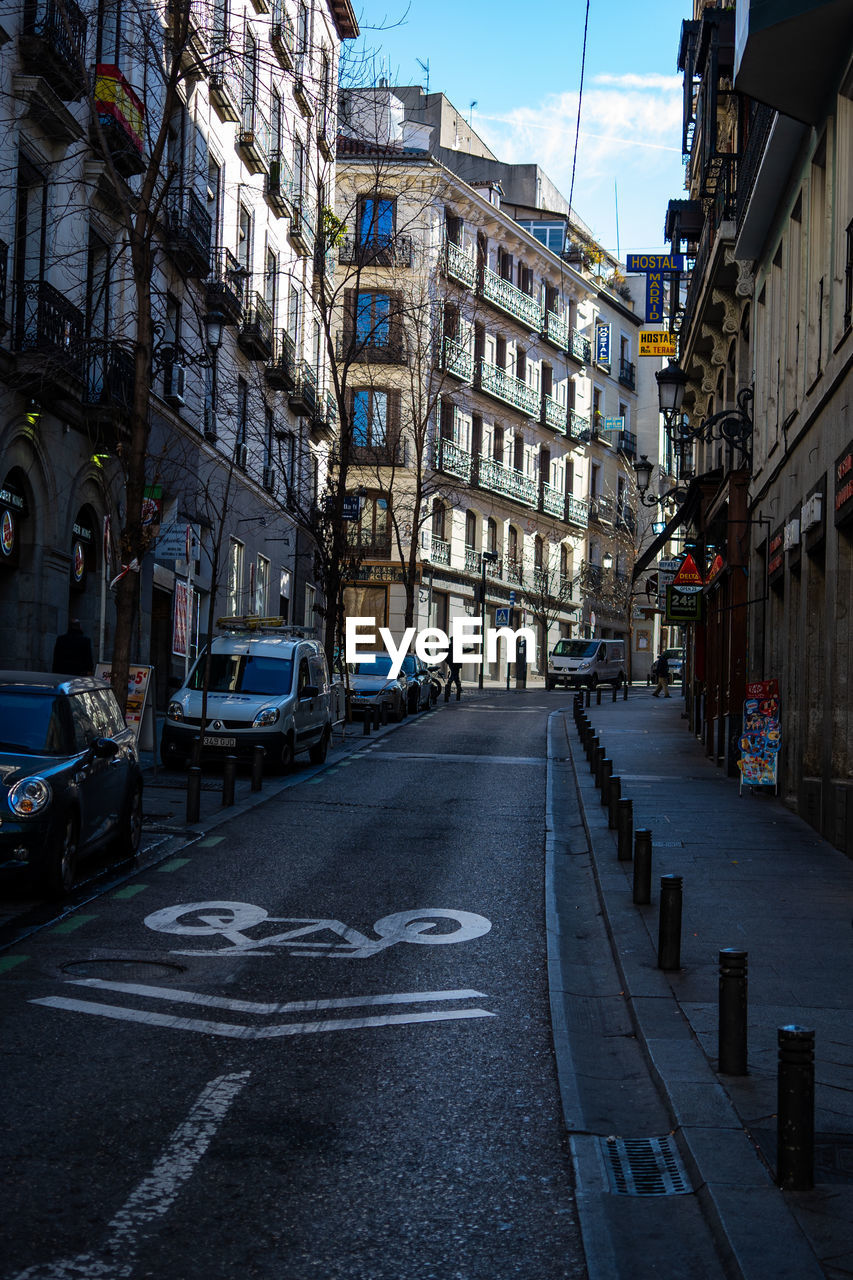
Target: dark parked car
420,684
371,686
70,781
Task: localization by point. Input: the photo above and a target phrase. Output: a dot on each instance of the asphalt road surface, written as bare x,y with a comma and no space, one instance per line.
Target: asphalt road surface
314,1045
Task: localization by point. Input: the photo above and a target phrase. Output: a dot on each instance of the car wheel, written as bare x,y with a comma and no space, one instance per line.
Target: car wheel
285,760
401,711
61,868
129,836
317,753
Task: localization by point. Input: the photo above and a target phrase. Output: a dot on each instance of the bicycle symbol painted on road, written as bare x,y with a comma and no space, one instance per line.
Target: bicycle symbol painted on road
233,920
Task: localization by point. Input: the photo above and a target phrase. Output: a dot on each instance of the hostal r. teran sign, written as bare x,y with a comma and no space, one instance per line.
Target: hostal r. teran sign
844,486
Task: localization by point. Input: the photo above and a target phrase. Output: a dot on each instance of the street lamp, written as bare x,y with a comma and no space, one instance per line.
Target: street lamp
488,557
214,323
732,425
643,470
671,383
607,561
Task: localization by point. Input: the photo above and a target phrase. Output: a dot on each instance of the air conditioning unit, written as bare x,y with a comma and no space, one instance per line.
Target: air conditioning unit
242,456
176,377
211,426
269,479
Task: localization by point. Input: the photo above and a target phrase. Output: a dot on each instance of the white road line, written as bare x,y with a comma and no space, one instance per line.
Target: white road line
154,1195
290,1006
459,759
234,1032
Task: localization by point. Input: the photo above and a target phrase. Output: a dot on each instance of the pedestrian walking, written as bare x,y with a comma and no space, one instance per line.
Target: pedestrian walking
662,675
72,653
455,677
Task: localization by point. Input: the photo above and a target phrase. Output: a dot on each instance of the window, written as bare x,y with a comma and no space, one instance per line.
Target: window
262,586
98,288
214,197
551,234
235,577
470,530
242,410
108,47
244,240
271,283
303,29
848,277
512,544
498,446
438,520
294,312
448,420
370,417
269,437
376,222
372,529
372,319
538,553
250,69
492,535
31,235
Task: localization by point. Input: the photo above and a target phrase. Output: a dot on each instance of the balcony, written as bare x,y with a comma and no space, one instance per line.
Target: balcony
626,442
789,55
109,376
440,551
121,116
302,95
282,371
278,188
189,22
507,481
326,132
255,335
579,427
557,330
188,233
46,108
553,414
512,569
48,334
4,285
473,561
626,520
376,348
627,374
458,360
503,294
53,45
454,461
324,420
281,35
226,285
553,502
379,251
254,140
302,227
303,398
385,454
580,348
577,512
459,265
365,547
511,390
601,510
225,84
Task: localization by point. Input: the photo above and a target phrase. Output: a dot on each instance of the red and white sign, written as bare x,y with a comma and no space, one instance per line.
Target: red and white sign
688,577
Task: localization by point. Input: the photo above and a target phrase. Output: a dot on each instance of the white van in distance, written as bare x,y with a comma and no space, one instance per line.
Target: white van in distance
586,662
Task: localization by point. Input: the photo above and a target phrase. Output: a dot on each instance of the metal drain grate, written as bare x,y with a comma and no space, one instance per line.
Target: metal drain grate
645,1167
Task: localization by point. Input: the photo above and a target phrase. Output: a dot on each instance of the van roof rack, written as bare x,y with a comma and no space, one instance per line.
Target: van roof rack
251,622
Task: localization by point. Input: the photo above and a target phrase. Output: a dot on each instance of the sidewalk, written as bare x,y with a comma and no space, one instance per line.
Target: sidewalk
759,879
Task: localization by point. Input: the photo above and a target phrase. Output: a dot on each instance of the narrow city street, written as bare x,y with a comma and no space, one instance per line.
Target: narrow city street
314,1043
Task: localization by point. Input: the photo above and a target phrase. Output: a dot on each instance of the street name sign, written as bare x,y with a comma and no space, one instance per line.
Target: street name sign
613,424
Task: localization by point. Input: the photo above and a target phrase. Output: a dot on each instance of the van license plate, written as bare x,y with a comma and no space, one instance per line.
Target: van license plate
211,741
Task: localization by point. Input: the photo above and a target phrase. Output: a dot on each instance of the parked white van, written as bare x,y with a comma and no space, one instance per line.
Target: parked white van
268,687
586,662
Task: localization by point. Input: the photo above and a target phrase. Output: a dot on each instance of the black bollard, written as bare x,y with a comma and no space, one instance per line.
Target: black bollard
368,716
642,867
586,697
624,827
731,1034
614,794
598,696
669,926
625,691
795,1110
384,712
193,793
229,774
605,770
257,768
615,691
376,715
596,753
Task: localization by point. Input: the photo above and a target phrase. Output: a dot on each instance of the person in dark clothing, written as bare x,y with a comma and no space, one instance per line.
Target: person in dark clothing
72,653
662,675
455,677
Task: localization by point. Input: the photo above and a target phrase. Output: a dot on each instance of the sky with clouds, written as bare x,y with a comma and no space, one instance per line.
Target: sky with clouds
516,72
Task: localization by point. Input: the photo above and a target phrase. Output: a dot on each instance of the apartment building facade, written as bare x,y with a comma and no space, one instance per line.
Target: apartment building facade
216,123
528,500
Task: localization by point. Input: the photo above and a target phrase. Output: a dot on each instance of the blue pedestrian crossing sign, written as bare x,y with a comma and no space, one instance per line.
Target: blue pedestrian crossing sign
501,617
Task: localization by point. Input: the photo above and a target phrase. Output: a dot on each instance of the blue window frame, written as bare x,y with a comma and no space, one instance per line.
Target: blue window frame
377,220
369,417
372,319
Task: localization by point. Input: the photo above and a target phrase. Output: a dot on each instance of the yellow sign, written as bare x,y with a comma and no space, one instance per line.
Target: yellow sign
655,342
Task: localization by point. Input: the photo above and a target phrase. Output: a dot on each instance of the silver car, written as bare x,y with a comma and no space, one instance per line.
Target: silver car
372,686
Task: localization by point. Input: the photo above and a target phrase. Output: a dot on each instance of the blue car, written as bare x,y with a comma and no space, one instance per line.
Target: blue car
70,781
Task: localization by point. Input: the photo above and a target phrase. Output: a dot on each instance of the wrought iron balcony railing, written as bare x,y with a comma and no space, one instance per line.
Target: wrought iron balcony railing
557,330
226,285
460,265
109,374
577,511
282,370
627,374
626,441
553,502
504,294
580,347
506,480
255,335
458,360
455,461
440,551
254,139
473,561
504,386
225,83
53,44
578,426
278,187
48,324
553,414
376,251
189,230
282,35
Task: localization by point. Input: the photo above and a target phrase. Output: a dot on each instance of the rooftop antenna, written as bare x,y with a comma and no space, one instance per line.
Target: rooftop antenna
424,66
471,114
